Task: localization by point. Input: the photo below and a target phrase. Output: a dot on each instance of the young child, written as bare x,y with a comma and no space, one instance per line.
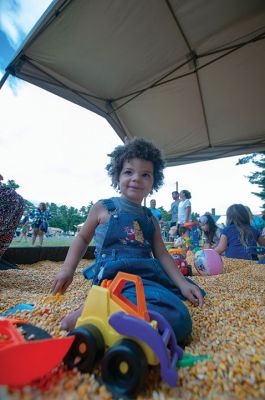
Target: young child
239,238
128,238
210,230
183,238
25,227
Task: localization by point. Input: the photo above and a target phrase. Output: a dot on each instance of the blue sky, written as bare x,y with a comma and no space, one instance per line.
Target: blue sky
57,151
17,17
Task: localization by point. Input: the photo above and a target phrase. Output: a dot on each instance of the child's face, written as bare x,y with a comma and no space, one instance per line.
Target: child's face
136,179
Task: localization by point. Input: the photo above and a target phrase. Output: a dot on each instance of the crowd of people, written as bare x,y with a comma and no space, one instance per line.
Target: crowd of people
238,239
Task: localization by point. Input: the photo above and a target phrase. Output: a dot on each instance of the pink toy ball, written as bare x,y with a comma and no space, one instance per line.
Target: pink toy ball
208,262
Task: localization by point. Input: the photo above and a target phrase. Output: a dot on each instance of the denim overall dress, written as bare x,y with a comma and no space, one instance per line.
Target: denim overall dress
126,247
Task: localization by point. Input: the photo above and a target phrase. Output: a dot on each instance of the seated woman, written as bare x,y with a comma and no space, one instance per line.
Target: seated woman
211,232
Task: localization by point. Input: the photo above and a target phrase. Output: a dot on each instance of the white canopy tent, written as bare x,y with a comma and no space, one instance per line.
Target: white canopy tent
188,75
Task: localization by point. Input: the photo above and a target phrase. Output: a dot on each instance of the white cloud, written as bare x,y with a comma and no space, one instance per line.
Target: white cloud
17,21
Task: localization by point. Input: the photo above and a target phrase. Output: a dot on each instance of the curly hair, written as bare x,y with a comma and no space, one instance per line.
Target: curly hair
136,148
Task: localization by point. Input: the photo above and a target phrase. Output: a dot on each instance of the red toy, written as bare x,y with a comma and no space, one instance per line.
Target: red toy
183,266
23,361
179,257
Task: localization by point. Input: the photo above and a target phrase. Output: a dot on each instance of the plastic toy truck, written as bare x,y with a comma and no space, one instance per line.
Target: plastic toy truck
124,336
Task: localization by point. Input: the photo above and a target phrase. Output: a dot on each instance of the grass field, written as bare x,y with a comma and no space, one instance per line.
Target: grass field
50,241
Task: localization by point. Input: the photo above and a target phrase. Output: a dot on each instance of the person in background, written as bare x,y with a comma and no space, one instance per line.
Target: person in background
11,209
172,233
211,232
155,211
174,208
183,238
184,208
255,221
40,217
25,227
239,239
128,239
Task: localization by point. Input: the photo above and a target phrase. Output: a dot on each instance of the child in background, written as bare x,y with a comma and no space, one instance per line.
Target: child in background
239,238
181,241
210,230
128,238
172,234
25,227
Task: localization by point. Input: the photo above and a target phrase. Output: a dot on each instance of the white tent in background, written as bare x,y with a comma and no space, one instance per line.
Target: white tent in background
188,75
78,227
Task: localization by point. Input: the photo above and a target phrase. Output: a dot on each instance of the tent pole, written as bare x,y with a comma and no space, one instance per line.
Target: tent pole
4,78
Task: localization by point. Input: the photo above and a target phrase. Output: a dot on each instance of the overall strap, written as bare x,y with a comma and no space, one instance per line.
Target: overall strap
109,205
147,211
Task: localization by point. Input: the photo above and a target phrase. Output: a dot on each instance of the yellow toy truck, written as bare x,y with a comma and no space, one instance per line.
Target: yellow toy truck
124,336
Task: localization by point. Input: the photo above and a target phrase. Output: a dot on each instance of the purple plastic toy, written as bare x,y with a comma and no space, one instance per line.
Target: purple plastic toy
162,341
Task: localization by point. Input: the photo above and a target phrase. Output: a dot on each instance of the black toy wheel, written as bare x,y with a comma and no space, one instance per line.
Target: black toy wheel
189,270
124,368
32,332
86,349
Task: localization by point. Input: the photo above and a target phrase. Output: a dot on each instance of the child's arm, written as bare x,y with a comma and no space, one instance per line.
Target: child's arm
222,245
77,249
190,291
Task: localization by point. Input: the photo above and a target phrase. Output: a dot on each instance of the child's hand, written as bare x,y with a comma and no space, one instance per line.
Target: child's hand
61,282
192,293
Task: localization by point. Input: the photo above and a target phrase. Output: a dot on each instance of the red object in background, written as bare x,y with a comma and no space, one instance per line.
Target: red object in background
24,361
183,266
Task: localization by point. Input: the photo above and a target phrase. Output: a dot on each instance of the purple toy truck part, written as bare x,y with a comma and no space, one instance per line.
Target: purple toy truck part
162,341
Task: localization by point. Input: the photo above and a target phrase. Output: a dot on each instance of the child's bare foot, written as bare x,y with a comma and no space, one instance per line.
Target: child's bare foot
69,321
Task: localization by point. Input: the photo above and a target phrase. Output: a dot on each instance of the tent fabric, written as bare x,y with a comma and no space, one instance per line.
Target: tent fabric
187,75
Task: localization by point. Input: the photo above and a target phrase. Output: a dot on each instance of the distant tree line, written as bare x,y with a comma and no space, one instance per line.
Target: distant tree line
67,218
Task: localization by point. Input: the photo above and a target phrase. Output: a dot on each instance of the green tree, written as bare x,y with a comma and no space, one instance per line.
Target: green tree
84,210
257,177
165,214
195,216
11,184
